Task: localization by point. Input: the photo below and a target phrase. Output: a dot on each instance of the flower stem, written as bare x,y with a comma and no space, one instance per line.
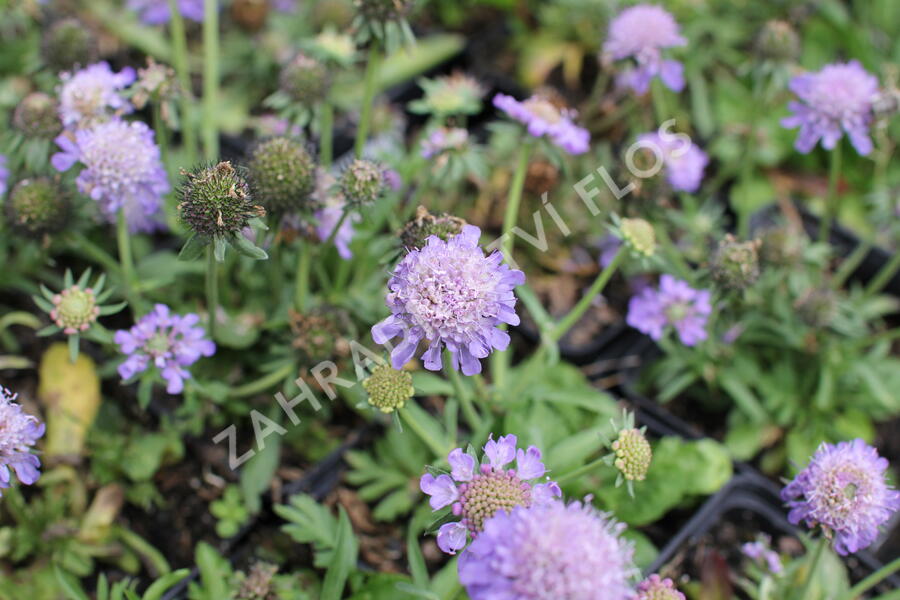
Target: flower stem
848,266
582,470
831,202
182,69
365,116
885,274
126,261
872,580
304,261
326,134
419,430
337,227
210,79
515,199
263,383
465,400
162,135
813,567
581,307
212,289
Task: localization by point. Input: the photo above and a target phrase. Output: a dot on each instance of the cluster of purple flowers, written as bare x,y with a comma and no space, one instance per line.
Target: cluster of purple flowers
156,12
123,170
19,432
451,295
168,342
843,489
543,118
640,33
761,552
477,491
91,94
674,304
684,161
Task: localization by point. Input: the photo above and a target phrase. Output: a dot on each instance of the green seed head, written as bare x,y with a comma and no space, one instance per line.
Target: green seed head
735,264
488,492
639,236
74,309
781,245
319,334
388,388
633,454
383,10
416,232
362,183
818,307
282,175
778,41
67,44
37,207
216,201
36,116
305,79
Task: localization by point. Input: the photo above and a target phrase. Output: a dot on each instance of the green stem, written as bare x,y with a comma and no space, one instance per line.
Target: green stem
337,227
162,135
419,430
365,116
96,252
304,261
884,275
660,107
514,199
465,400
582,470
874,579
263,383
326,134
831,202
749,162
212,289
210,79
813,567
675,256
126,261
182,70
581,307
850,263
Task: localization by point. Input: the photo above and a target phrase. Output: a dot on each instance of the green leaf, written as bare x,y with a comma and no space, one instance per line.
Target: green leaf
214,572
342,561
219,246
69,585
194,247
247,248
258,472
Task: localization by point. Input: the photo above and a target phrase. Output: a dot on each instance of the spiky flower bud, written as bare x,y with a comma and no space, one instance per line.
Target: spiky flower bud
817,307
66,44
633,454
319,334
362,183
777,40
781,245
735,264
36,116
639,236
75,309
36,207
305,79
388,388
656,588
282,175
416,232
216,201
258,583
383,10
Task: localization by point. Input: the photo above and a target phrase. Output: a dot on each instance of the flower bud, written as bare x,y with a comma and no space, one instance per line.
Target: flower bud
777,40
319,334
735,264
781,245
258,583
36,116
633,454
639,236
415,233
66,44
36,207
817,307
155,82
305,79
75,309
388,388
362,183
250,14
216,201
656,588
282,175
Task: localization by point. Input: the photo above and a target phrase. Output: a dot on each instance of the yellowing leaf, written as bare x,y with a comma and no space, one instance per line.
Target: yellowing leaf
70,394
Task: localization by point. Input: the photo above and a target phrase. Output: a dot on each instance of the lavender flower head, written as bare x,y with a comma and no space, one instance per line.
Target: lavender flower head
657,588
123,170
641,32
156,12
836,100
476,492
168,342
542,117
450,294
684,161
843,488
674,303
4,175
761,552
554,550
88,95
18,433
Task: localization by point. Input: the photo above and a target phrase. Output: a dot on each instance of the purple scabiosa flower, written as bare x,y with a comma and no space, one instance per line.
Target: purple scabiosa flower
684,161
450,294
123,170
641,32
836,100
444,139
542,117
4,175
674,303
843,489
476,492
87,95
168,342
554,550
156,12
327,219
18,433
761,552
657,588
